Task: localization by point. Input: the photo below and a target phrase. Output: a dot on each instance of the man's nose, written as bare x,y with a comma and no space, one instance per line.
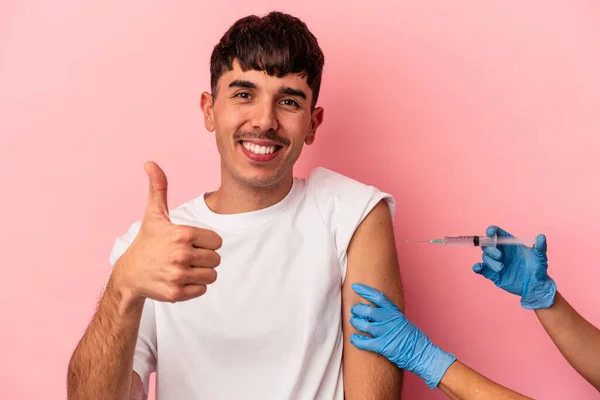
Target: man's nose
265,118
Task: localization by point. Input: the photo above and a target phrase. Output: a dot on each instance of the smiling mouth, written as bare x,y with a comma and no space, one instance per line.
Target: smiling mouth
260,149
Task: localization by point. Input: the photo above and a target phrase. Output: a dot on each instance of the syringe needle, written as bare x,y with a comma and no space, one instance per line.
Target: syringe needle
426,241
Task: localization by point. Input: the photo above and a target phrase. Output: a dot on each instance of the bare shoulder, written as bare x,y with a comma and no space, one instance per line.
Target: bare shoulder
373,261
372,255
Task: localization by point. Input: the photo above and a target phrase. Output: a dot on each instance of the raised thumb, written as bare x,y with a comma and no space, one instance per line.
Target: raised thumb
157,191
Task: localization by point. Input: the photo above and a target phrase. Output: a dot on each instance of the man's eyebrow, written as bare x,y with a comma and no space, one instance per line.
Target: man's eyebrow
243,84
293,92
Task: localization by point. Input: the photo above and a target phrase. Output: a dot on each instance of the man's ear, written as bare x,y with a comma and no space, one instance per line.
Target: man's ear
207,106
315,121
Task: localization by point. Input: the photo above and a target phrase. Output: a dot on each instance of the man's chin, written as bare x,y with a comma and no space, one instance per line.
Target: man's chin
261,182
261,179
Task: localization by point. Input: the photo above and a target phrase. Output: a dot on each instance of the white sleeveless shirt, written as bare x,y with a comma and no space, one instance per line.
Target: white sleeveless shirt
270,327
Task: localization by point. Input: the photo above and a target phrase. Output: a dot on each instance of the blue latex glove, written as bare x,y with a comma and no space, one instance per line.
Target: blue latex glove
396,338
519,270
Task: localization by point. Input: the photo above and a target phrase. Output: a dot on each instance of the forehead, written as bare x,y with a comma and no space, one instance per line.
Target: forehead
263,80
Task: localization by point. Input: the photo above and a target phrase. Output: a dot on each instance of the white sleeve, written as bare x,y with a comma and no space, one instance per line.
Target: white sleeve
120,246
344,203
145,355
122,243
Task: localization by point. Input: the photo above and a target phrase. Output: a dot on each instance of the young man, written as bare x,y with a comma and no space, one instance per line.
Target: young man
274,323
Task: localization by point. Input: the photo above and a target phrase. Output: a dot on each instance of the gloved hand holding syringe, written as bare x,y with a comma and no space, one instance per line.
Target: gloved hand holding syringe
482,241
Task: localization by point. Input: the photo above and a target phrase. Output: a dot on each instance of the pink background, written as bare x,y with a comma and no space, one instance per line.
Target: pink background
471,114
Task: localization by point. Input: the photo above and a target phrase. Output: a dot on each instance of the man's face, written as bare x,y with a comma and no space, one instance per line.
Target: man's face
261,124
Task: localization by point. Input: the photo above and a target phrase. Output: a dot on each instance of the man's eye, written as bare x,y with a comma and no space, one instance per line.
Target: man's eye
290,102
243,95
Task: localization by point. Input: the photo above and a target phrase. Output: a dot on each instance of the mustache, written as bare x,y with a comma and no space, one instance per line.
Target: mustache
267,135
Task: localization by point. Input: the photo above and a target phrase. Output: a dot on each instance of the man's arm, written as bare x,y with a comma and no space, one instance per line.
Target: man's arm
102,363
575,337
164,262
372,260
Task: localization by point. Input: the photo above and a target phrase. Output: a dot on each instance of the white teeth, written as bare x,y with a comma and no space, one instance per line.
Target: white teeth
256,149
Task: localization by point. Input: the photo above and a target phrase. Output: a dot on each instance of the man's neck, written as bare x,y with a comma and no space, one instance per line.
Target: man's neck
234,198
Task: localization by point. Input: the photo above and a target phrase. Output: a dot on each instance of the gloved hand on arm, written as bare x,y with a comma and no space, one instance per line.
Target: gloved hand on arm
401,342
396,338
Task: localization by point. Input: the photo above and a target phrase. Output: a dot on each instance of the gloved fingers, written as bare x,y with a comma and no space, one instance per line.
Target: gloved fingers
482,269
492,264
361,325
374,296
371,313
477,268
364,342
493,252
374,329
540,246
495,230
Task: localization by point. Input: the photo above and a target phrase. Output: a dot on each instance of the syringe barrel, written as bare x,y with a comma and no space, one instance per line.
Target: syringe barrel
470,241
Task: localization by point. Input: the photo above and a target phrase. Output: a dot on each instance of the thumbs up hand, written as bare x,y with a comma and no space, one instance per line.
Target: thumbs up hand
167,262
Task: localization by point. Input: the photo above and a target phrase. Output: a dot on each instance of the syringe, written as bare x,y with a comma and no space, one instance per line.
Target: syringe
479,241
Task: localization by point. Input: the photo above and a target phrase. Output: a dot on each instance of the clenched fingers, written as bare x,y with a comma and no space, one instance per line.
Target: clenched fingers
197,237
194,257
204,258
184,292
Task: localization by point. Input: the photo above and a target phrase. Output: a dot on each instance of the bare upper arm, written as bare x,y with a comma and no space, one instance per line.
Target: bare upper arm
373,261
137,388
